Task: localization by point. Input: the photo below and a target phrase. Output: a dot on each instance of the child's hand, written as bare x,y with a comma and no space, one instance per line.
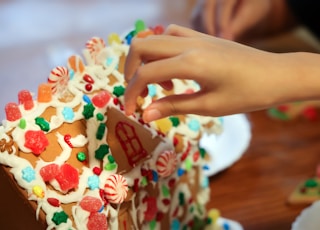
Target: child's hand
233,78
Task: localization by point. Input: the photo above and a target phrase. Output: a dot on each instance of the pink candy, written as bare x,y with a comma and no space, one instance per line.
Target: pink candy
49,172
12,112
97,221
25,98
91,204
101,99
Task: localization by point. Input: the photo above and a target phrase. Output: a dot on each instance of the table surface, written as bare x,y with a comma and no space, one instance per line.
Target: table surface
255,189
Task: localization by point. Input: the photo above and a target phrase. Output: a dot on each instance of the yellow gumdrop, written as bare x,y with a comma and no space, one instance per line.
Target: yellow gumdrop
114,38
164,125
38,191
214,215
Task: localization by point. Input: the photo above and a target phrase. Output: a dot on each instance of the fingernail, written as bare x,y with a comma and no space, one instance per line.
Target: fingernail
151,115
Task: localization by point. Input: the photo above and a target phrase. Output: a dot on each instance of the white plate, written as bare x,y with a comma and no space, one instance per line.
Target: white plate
226,148
229,224
309,218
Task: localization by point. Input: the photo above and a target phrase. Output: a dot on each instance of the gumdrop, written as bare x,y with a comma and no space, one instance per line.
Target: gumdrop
44,93
101,99
97,221
91,204
68,177
36,141
114,38
49,172
12,112
139,26
158,29
25,98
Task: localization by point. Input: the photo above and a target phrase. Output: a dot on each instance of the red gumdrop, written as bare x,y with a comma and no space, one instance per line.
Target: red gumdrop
158,29
101,99
152,208
25,98
49,172
68,177
36,141
91,204
12,112
96,221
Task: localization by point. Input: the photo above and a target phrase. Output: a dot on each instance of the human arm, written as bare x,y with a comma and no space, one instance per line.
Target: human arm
233,78
243,19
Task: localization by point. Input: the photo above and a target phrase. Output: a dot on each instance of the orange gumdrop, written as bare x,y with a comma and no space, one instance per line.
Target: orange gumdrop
44,93
145,33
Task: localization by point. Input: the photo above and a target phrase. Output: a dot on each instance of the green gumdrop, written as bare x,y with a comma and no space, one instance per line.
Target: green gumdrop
140,26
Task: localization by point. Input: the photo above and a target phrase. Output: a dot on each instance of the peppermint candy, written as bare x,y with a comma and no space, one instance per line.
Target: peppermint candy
59,78
116,188
94,46
166,163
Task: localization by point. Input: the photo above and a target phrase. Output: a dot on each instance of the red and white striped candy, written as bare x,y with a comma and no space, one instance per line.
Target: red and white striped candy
166,163
59,78
116,188
95,45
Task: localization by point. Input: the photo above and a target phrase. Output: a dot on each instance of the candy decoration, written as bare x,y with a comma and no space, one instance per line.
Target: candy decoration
53,202
60,217
36,141
144,34
67,139
101,99
49,172
38,191
87,78
114,38
97,171
116,188
88,111
166,163
90,204
101,151
152,208
158,29
12,112
75,63
25,99
81,156
28,174
58,79
95,45
139,26
42,123
44,92
68,177
97,221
